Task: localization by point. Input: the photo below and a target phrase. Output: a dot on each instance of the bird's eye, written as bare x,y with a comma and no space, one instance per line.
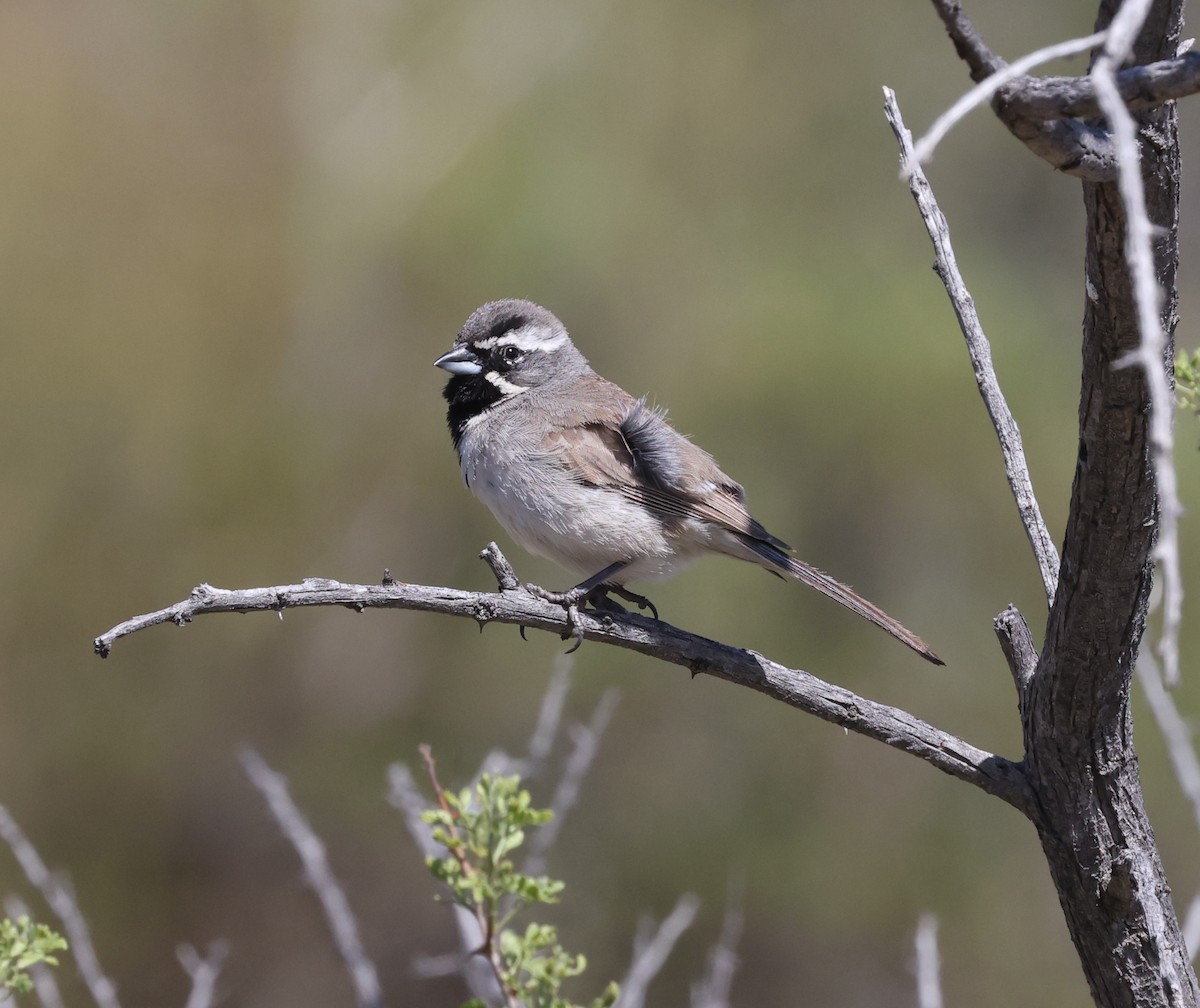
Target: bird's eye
510,355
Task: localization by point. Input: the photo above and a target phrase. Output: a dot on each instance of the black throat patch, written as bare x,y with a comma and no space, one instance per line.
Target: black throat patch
468,396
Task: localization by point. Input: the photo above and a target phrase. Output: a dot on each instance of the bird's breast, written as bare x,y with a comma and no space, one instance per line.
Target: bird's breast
548,511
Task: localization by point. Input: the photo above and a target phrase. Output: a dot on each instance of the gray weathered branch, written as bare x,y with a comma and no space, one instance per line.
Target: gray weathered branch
1140,87
342,924
204,972
1079,758
651,947
514,605
58,893
1049,114
1071,146
980,352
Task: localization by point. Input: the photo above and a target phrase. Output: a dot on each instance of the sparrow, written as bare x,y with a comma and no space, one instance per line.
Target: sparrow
579,471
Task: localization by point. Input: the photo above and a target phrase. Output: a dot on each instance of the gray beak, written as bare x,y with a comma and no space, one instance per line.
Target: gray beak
460,361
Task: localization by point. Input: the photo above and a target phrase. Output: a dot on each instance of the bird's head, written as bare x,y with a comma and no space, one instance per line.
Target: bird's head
506,348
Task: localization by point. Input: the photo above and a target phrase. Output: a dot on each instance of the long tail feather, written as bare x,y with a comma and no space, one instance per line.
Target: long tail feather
837,591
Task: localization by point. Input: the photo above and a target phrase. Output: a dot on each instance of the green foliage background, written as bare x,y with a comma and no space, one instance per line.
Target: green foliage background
235,235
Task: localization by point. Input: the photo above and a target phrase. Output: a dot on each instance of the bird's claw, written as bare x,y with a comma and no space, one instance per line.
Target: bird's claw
598,596
569,600
638,600
576,629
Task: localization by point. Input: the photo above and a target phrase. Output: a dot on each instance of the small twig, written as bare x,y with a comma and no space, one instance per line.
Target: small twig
712,991
57,893
487,947
968,43
1009,434
1147,294
1019,650
550,713
586,739
924,148
204,971
1191,928
506,577
649,957
44,984
405,795
929,981
291,822
1175,731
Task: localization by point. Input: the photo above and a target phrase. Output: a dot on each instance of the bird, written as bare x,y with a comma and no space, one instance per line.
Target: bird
579,471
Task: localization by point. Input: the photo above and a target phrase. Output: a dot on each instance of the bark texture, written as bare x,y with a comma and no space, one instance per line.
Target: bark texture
1089,810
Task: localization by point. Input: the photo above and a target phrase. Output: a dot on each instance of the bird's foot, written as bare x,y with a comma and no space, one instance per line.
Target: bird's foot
638,600
597,596
569,600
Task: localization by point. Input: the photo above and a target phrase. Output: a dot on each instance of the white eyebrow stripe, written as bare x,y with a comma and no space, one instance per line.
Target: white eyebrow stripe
504,385
528,338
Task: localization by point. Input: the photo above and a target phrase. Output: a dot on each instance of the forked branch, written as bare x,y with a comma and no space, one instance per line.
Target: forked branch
1050,114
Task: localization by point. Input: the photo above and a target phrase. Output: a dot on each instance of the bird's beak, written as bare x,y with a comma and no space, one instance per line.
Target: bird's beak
460,361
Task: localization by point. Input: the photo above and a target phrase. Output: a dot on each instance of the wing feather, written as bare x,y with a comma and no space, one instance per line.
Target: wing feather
631,449
637,453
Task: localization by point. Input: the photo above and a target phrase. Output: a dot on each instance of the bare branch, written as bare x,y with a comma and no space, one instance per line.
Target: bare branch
506,577
1009,434
204,971
1175,732
1191,928
406,795
550,712
1030,105
1182,752
929,967
317,873
649,955
57,893
44,984
586,739
408,798
1140,87
984,90
968,43
1148,299
799,689
1070,146
713,990
1019,650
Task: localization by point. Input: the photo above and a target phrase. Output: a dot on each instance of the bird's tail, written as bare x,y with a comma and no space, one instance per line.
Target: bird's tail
776,559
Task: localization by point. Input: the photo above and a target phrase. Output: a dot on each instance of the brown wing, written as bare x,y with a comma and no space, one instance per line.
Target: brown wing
632,449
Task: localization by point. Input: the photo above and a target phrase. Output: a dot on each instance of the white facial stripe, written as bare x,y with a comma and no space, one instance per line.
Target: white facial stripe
504,385
528,338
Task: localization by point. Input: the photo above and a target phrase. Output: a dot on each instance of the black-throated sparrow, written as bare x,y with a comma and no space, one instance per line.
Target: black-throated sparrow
579,471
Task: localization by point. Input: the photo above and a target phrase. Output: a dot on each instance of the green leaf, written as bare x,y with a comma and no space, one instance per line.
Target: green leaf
483,826
508,843
22,945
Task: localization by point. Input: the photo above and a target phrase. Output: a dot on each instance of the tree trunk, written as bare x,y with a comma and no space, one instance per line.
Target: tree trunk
1089,811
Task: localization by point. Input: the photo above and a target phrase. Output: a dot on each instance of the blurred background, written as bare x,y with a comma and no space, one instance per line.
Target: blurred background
236,235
